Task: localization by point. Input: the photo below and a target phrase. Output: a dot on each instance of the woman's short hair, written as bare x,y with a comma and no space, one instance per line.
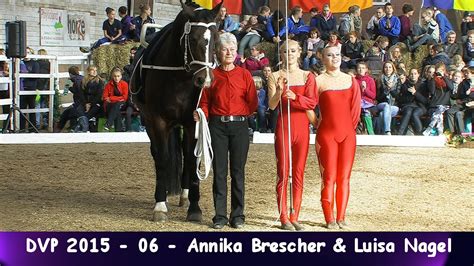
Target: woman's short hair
227,38
73,70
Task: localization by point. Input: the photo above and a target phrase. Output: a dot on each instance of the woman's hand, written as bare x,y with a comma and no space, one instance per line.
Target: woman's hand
196,116
281,83
290,95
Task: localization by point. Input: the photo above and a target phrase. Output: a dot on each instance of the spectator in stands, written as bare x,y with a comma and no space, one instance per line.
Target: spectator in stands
144,18
374,59
389,25
437,55
4,87
225,23
468,52
467,24
368,93
251,34
443,23
263,19
388,87
409,105
352,51
112,29
333,40
262,104
326,23
373,24
428,34
405,23
455,114
276,27
458,62
440,88
128,28
467,89
93,88
75,112
382,42
256,61
451,47
128,69
314,13
395,55
310,48
297,29
115,97
29,84
351,22
43,85
273,114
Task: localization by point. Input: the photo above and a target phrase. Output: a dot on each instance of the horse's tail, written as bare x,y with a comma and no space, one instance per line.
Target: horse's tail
173,182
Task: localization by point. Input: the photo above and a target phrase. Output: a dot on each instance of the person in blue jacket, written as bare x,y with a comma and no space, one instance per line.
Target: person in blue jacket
297,29
443,23
276,27
390,25
225,23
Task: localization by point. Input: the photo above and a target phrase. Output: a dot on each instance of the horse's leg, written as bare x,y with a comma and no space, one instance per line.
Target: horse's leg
185,177
158,133
189,174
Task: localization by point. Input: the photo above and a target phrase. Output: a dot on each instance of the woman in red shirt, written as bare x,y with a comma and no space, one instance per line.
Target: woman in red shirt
115,96
227,103
301,94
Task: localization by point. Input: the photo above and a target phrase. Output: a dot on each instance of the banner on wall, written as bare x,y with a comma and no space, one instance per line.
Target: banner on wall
62,28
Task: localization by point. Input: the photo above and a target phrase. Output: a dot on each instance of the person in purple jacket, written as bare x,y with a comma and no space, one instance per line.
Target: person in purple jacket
405,23
389,25
128,28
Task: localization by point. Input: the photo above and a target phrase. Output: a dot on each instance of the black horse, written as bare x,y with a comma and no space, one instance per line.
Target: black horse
167,82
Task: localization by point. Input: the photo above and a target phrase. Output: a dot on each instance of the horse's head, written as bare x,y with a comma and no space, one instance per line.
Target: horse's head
198,41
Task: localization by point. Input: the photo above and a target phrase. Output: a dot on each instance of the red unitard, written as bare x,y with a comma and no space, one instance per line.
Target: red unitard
305,100
336,145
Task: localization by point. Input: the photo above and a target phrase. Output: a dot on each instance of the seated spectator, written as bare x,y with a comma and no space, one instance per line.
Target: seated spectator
388,87
395,55
326,23
93,88
373,24
74,112
310,48
333,40
428,34
352,51
405,23
263,18
451,47
458,63
389,25
440,88
128,69
297,30
467,24
368,93
115,97
467,89
251,33
437,55
256,61
443,23
144,18
128,29
225,23
314,13
351,22
374,60
382,43
409,106
468,52
455,114
112,30
276,27
262,104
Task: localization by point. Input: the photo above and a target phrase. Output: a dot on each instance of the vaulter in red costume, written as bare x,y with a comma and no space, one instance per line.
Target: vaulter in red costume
339,104
302,96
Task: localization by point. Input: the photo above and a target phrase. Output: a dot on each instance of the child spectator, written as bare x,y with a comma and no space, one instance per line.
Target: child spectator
440,88
128,29
112,30
256,61
373,24
262,104
115,96
333,40
455,114
467,24
468,53
388,88
352,51
310,48
93,88
395,55
368,93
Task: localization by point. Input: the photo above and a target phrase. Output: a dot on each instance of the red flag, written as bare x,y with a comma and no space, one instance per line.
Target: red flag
233,7
308,4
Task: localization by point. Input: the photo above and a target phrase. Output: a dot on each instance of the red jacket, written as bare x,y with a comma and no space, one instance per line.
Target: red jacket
231,93
109,92
370,92
253,64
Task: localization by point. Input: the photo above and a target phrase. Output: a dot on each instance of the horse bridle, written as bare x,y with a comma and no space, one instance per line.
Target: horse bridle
187,65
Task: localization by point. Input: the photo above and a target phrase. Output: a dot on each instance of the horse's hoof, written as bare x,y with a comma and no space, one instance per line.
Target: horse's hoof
183,202
194,217
159,216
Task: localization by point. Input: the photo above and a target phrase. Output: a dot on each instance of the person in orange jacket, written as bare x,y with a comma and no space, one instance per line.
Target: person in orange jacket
115,96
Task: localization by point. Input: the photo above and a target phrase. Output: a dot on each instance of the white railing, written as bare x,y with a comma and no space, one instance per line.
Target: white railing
14,85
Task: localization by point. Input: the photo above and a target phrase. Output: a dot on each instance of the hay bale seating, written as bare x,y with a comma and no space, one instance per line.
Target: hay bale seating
106,57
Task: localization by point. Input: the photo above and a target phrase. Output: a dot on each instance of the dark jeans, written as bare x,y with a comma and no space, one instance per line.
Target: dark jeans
113,115
229,141
94,112
262,119
72,113
27,102
455,117
413,114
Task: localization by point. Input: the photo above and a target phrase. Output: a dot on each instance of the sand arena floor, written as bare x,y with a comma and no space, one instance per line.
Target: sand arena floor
109,187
